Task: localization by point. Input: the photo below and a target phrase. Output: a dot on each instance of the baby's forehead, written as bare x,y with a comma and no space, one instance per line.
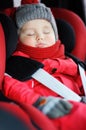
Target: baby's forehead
37,23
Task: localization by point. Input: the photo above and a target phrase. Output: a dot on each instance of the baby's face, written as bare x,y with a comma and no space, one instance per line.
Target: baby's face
37,33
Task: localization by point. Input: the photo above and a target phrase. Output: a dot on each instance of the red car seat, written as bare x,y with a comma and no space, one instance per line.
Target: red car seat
42,122
2,55
79,28
3,106
16,116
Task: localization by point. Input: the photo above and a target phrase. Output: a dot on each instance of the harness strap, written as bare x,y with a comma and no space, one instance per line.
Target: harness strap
52,83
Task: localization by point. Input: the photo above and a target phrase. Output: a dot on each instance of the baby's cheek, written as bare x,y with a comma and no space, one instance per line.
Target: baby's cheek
51,40
27,41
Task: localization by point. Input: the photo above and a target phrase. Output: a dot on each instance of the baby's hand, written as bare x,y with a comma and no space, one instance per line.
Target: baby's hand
53,107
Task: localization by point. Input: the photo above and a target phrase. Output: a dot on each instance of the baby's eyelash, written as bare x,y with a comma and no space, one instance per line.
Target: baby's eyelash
31,34
46,32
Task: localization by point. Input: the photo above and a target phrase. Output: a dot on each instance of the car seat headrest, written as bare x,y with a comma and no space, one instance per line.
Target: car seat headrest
66,34
10,32
79,28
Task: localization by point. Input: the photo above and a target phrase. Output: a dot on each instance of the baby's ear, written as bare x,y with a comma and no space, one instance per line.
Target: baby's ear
29,1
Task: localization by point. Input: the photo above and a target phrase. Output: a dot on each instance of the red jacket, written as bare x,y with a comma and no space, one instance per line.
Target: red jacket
28,92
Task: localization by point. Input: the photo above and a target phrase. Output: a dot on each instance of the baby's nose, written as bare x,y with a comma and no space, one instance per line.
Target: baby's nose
39,37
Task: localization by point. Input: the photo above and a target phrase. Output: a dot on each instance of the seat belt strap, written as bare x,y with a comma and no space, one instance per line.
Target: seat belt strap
83,77
52,83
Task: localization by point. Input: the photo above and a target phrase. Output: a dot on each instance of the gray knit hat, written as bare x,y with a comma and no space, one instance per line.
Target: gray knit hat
29,12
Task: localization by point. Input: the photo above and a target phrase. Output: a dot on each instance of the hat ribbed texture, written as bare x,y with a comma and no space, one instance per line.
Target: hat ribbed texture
29,12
